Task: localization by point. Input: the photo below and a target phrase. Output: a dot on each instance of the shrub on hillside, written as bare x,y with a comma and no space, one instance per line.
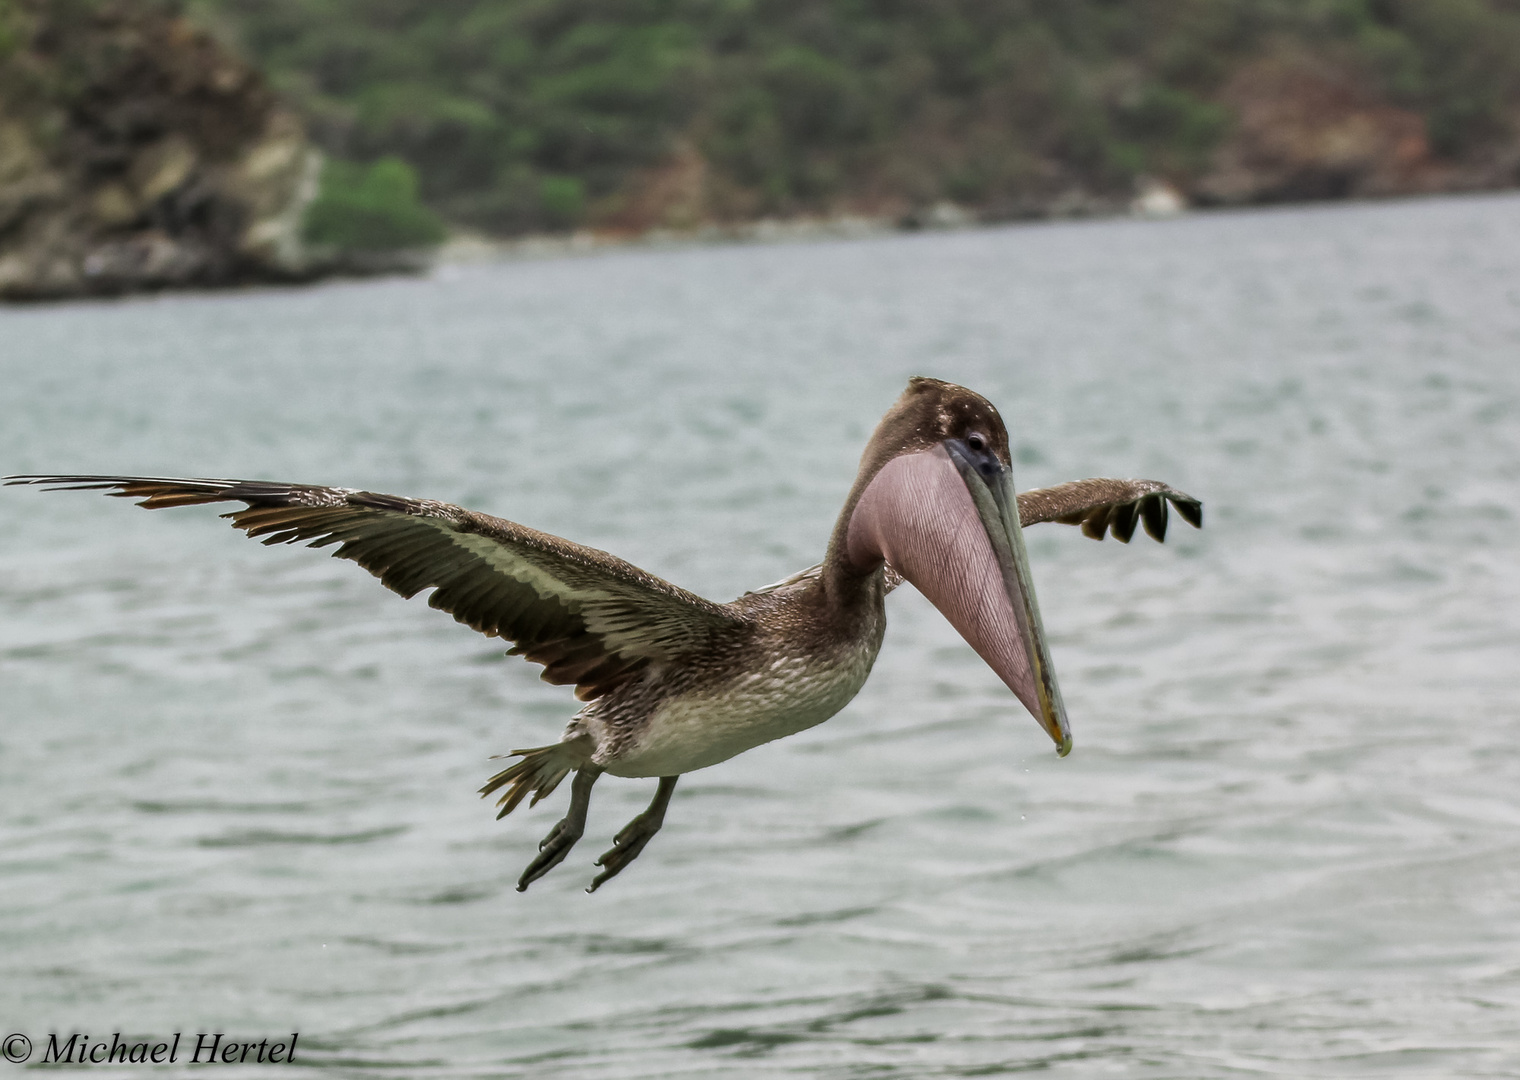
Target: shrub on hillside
371,208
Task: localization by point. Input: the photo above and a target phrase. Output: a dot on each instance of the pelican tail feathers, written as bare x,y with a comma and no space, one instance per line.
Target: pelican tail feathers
538,773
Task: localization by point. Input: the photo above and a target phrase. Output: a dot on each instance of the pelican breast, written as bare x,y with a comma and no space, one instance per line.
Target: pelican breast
785,680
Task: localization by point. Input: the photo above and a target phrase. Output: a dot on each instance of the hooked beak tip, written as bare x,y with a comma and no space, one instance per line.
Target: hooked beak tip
1063,745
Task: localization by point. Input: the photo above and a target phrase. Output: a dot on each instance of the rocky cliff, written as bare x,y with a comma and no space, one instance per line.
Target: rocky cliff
138,153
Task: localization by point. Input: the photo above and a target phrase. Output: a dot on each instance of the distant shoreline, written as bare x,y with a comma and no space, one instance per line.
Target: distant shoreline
472,249
466,248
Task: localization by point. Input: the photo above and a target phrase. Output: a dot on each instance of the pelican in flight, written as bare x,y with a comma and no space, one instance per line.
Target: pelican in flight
672,682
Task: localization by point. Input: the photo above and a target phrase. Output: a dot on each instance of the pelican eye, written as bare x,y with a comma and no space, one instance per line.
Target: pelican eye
976,442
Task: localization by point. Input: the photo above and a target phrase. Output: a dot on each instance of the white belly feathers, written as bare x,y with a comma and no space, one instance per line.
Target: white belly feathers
693,731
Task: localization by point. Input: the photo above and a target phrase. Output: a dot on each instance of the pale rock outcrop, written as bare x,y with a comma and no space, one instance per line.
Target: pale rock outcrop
138,153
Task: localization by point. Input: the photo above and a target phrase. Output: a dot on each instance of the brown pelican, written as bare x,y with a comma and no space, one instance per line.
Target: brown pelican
672,682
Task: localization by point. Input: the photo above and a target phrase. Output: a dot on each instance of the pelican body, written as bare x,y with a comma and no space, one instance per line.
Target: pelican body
673,683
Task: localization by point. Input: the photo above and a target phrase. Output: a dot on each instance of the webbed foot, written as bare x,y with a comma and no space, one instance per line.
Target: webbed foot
554,847
627,844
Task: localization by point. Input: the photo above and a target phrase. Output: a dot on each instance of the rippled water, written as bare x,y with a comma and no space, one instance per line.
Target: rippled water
237,783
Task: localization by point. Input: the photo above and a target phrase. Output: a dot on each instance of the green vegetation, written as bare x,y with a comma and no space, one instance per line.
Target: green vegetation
533,114
10,36
370,208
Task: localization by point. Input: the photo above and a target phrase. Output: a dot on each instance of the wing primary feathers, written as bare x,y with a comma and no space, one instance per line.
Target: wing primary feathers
1189,509
589,617
1154,508
1101,504
1123,521
1096,523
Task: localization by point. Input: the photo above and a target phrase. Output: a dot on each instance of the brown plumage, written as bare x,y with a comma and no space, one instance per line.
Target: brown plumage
592,619
672,681
1100,504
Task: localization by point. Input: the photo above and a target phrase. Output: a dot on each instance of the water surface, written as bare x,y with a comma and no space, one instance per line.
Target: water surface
237,783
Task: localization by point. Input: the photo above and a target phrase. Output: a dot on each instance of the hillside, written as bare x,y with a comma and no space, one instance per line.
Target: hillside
137,152
531,115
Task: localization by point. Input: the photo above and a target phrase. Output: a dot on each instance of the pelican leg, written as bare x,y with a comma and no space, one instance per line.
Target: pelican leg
563,836
627,844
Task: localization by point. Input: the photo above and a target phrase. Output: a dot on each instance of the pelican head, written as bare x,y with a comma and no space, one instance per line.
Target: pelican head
935,501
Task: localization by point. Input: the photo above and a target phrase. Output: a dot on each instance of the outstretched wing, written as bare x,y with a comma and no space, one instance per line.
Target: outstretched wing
589,617
1101,504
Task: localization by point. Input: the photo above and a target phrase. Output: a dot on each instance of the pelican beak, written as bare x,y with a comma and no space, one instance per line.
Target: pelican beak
990,485
947,519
